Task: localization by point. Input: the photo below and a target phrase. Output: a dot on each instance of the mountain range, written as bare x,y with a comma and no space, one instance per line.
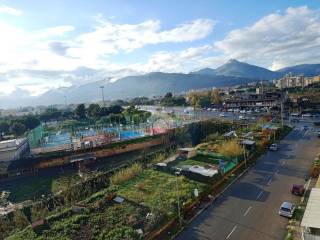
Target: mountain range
157,83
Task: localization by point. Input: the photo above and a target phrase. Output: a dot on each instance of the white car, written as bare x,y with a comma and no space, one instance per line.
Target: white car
287,209
243,111
274,147
306,115
241,117
222,115
249,112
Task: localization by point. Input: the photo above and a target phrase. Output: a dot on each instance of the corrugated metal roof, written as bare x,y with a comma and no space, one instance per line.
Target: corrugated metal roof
311,217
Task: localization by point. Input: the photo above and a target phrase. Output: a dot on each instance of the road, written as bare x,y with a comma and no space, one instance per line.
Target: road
249,208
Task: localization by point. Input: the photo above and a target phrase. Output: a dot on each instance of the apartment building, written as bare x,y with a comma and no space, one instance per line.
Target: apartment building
291,81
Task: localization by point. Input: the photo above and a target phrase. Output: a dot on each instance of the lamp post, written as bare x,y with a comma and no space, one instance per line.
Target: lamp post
178,199
102,93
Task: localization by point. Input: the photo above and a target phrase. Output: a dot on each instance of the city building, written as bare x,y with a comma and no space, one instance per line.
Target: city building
290,81
267,99
11,150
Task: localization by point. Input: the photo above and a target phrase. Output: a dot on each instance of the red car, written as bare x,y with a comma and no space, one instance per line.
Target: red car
297,189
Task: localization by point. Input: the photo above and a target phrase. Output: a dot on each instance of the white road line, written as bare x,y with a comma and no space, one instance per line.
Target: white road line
248,210
233,229
259,195
269,182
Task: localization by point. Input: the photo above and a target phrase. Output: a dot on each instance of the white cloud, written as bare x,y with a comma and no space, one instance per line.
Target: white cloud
10,10
276,40
109,38
179,61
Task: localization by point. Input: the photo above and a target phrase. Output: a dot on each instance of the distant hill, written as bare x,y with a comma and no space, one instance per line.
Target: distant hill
151,84
241,69
305,69
154,84
205,71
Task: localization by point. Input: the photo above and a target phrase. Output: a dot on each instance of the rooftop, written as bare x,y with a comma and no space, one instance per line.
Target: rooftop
13,143
311,217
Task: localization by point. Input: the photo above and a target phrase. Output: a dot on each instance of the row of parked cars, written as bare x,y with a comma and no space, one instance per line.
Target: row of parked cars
287,208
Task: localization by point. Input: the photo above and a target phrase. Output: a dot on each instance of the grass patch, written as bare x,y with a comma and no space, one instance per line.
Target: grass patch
157,190
126,174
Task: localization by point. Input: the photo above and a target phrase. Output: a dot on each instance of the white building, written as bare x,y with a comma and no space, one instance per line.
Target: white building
290,81
311,219
14,149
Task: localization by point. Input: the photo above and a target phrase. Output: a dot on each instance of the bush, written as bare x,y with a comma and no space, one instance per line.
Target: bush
230,148
121,233
126,174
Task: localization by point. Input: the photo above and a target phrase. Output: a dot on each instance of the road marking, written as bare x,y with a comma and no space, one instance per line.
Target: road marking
277,171
233,229
269,182
248,210
283,163
259,195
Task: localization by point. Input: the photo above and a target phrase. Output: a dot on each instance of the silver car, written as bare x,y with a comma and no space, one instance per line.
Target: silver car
287,209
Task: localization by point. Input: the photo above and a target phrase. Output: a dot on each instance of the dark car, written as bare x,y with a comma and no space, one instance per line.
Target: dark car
297,189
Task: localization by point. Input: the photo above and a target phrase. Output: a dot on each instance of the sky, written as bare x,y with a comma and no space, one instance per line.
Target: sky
51,44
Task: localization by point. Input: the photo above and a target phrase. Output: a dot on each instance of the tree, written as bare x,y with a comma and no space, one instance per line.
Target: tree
115,109
193,99
80,111
30,121
94,111
231,149
50,114
215,97
17,129
4,127
168,95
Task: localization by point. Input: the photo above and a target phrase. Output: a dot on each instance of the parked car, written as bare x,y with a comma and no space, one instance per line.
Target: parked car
222,115
306,115
287,209
274,147
297,189
318,133
241,117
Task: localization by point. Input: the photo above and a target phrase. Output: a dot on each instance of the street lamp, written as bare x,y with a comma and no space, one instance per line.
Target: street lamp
178,198
102,93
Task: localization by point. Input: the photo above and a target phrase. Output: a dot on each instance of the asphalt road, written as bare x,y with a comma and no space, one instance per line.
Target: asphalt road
249,208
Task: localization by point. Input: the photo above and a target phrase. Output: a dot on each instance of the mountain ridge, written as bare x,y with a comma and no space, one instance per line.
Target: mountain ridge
152,84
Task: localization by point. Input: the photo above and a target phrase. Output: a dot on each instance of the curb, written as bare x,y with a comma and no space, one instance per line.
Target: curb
210,203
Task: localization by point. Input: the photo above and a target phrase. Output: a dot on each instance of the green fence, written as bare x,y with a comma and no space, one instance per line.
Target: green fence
35,136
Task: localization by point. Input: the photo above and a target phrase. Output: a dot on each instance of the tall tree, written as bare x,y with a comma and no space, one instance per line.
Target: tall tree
193,99
17,129
215,97
80,111
94,111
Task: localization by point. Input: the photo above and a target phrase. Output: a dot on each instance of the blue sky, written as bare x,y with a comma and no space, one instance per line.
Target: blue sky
50,44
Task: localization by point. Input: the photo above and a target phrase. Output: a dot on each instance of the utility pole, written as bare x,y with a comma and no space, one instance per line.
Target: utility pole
281,106
102,93
178,199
